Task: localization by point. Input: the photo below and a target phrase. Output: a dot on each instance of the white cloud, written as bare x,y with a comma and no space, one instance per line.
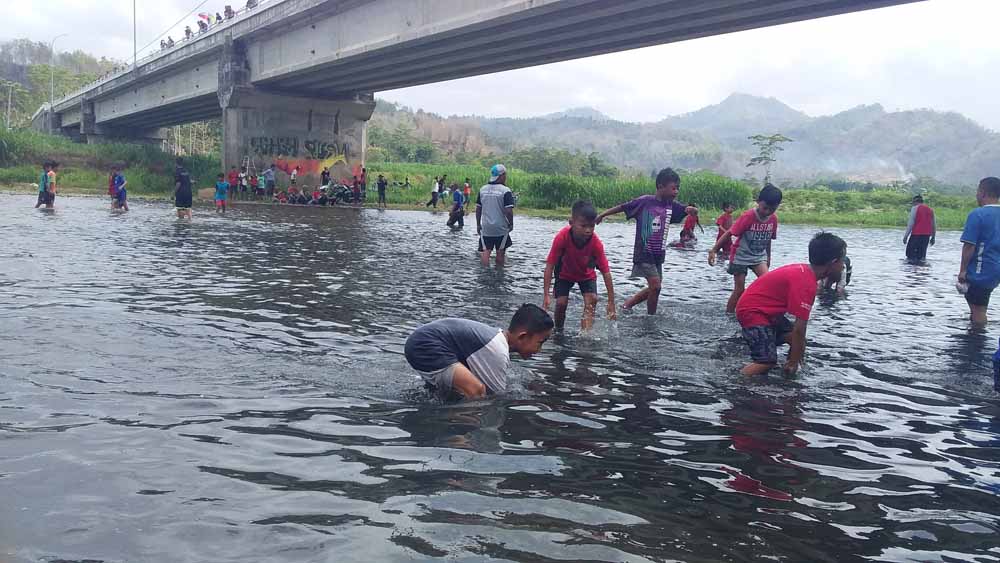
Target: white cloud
939,53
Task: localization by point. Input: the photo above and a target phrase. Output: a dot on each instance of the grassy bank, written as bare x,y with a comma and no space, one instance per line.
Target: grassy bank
84,170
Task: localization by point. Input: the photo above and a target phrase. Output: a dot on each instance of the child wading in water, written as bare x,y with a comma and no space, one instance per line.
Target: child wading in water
789,289
688,240
121,194
221,191
753,233
576,252
725,222
653,215
463,359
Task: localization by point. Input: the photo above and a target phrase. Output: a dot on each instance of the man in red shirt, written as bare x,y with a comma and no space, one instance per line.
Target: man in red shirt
920,231
789,289
576,252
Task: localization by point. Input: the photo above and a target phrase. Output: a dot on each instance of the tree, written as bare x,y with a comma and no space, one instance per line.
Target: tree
768,146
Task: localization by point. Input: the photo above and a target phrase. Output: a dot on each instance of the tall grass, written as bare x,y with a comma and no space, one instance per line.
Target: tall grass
150,172
85,167
540,191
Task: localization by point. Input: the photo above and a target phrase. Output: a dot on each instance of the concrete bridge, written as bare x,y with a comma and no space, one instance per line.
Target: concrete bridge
294,80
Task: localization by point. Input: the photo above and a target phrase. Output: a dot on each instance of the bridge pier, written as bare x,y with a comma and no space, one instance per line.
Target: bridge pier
290,131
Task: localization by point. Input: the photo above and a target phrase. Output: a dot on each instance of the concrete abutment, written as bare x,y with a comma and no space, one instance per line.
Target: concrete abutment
290,131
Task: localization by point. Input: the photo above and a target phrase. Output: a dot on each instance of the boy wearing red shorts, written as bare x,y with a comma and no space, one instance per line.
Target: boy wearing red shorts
789,289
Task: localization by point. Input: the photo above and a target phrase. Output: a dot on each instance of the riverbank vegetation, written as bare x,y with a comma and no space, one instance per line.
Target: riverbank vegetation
84,169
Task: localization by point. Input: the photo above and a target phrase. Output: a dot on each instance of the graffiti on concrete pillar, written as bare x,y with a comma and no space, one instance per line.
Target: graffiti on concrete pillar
275,146
310,155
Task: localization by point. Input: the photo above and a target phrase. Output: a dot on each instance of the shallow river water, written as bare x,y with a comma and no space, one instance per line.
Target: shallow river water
233,389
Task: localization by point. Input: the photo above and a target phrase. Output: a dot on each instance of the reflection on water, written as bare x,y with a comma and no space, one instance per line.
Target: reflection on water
232,389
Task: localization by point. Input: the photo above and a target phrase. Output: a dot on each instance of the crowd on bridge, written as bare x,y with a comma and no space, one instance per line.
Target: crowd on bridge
206,21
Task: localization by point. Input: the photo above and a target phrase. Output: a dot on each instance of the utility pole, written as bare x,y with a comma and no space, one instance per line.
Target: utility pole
52,82
10,98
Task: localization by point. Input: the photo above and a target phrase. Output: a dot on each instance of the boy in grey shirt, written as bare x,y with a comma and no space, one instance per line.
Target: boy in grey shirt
471,358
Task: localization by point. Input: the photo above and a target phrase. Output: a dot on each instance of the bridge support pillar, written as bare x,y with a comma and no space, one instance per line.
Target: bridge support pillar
291,131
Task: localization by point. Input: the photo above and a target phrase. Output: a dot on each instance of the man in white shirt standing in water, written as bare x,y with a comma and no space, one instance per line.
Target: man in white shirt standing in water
495,216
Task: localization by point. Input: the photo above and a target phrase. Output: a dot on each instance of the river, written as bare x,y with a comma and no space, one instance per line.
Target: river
233,389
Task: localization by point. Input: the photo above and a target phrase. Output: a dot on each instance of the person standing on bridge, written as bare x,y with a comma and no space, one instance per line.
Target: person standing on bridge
495,216
921,230
182,191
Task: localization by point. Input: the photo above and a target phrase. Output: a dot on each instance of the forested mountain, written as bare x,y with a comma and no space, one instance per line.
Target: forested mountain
865,143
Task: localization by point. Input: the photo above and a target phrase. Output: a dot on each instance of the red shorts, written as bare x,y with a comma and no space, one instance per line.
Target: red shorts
220,202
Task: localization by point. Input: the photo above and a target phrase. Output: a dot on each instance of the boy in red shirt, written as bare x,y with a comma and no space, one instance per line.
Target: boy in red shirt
687,239
725,222
576,252
753,233
789,289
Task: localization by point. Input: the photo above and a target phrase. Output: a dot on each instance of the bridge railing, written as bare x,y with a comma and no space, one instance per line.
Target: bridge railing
213,28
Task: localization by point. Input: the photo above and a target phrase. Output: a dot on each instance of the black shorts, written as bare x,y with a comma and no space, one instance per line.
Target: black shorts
764,340
740,269
46,198
381,195
978,295
498,243
563,287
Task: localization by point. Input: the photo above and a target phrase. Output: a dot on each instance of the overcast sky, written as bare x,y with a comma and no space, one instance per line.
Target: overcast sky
942,54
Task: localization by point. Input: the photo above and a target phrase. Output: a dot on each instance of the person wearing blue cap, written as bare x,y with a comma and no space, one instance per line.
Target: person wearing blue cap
495,216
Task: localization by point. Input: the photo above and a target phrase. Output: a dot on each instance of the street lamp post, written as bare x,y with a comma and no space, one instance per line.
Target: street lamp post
52,81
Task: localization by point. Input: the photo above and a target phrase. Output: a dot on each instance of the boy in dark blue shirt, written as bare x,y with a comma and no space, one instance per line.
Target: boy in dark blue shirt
979,273
121,201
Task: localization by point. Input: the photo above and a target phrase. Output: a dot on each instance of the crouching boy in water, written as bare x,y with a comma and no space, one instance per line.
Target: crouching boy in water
470,358
576,252
789,289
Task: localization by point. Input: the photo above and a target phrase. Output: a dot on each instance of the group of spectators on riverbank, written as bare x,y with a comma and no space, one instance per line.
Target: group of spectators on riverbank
243,185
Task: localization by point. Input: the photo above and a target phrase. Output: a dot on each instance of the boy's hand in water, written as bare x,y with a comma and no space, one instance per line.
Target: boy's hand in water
711,257
612,311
